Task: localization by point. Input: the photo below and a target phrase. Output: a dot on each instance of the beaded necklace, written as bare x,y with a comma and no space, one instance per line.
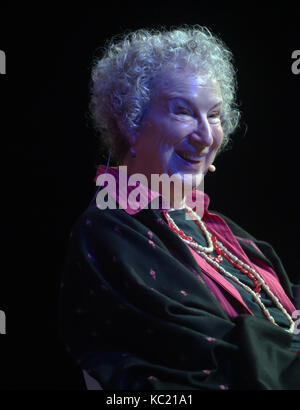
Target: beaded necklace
222,251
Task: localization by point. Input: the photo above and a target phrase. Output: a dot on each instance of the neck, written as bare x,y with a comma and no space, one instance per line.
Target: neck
175,197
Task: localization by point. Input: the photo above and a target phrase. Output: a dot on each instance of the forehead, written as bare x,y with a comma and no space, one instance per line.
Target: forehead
187,83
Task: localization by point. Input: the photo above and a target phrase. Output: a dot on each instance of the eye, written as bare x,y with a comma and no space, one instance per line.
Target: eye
215,116
182,111
179,107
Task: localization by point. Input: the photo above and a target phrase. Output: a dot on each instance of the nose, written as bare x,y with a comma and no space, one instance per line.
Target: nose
202,134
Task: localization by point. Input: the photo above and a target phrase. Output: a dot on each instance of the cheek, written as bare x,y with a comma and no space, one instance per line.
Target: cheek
176,130
167,133
218,135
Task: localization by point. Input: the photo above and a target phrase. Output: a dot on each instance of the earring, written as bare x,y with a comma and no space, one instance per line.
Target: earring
211,168
133,153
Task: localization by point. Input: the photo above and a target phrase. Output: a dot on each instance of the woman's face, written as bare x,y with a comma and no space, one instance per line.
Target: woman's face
181,131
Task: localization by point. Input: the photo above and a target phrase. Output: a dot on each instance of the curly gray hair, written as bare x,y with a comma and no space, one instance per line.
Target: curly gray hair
121,81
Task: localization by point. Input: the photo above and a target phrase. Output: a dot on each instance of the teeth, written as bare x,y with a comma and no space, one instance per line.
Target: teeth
192,159
189,158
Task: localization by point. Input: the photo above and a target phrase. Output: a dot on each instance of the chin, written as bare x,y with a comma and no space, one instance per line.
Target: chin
191,181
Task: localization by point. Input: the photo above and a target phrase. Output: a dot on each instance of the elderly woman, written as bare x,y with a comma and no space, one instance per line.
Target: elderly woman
158,291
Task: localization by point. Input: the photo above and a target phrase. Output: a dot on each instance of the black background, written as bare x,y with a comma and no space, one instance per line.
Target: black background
49,152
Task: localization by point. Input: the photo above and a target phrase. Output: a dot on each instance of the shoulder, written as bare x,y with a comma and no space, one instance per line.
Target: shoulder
93,218
260,250
236,229
115,227
245,237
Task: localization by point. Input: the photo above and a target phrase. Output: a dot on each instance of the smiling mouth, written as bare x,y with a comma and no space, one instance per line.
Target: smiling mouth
189,158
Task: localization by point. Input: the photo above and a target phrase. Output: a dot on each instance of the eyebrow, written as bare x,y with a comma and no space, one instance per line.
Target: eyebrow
217,104
190,102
